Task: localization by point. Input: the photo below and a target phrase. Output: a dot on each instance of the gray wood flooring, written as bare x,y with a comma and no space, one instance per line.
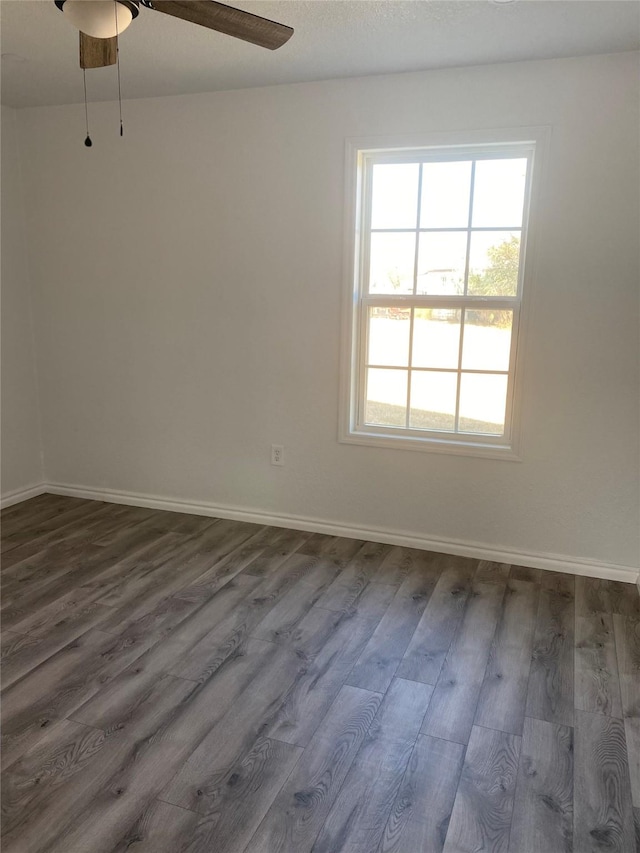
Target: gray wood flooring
178,684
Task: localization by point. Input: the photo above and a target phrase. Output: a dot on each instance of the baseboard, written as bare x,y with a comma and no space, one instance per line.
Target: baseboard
462,548
19,495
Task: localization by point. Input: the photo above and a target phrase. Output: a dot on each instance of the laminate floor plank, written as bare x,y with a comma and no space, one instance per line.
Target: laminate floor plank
627,640
317,573
55,688
110,705
181,522
150,760
559,582
488,571
356,822
592,596
179,585
61,755
49,594
603,815
420,816
101,526
90,563
66,610
439,623
31,546
64,798
332,547
161,828
71,767
193,587
183,684
543,809
52,513
353,580
104,567
28,562
525,573
263,561
117,516
197,785
298,812
281,540
597,685
240,795
624,599
596,595
45,568
127,787
44,641
25,508
13,643
47,771
225,636
632,733
381,657
159,561
183,559
372,602
329,643
482,811
241,560
550,693
453,704
399,562
503,695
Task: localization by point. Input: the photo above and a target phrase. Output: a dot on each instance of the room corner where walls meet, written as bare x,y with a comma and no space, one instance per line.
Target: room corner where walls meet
22,458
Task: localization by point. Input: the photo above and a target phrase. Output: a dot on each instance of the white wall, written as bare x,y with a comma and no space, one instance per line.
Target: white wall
21,446
188,287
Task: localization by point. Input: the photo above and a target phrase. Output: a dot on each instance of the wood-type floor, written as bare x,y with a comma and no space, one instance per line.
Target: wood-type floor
179,684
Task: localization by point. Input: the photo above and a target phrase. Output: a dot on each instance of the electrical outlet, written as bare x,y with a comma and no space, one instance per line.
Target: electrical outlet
277,454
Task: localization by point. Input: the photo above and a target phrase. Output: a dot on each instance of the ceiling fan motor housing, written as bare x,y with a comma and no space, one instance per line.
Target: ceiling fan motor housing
106,19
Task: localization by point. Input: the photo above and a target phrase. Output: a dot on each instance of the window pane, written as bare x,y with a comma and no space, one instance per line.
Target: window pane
386,401
441,263
433,400
487,340
389,336
445,195
494,260
395,195
436,337
498,193
483,401
392,263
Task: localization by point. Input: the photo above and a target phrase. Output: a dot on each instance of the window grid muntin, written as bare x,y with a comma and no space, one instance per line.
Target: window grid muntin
409,366
490,151
473,303
417,231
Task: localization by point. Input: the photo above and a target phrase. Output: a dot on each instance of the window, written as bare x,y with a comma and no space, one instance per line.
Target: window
436,296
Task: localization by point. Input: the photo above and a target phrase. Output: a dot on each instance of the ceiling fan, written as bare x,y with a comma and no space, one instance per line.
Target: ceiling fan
101,21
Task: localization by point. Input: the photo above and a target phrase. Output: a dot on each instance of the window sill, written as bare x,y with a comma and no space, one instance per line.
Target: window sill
432,445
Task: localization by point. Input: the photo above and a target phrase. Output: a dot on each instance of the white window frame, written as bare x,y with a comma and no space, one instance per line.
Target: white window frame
361,155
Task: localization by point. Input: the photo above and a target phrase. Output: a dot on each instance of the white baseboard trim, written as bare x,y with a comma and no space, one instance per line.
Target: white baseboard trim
19,495
462,548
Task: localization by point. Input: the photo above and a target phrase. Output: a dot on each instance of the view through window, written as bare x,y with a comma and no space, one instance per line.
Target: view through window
439,292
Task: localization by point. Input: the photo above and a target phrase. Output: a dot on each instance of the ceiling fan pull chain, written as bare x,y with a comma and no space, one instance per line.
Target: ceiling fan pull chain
87,141
115,9
119,87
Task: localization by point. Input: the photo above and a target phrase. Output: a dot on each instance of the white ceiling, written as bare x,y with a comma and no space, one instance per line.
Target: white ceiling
333,38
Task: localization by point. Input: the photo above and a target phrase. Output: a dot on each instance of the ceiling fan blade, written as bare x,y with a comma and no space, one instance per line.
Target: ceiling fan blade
97,53
226,19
